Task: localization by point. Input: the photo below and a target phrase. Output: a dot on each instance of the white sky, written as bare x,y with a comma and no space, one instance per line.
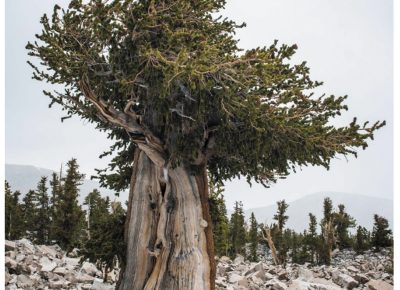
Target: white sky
347,44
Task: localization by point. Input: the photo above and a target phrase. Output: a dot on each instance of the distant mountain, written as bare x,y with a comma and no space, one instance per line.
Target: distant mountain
361,207
26,177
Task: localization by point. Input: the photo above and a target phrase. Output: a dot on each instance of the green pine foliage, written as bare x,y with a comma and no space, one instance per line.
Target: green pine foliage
279,235
14,223
104,242
328,233
362,240
56,191
69,218
173,71
381,234
343,222
43,213
300,252
237,231
253,238
311,239
219,218
29,214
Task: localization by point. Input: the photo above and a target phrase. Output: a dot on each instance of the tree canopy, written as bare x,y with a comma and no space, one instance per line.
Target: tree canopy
168,76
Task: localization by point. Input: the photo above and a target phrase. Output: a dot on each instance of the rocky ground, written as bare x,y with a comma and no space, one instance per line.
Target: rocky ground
30,266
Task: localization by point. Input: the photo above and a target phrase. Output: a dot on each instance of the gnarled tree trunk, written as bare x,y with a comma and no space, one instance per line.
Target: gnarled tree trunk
168,230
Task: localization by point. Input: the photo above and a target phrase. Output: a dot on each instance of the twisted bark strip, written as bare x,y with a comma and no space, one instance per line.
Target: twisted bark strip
202,181
167,230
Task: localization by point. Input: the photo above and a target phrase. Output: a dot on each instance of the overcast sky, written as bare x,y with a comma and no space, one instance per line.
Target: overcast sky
347,44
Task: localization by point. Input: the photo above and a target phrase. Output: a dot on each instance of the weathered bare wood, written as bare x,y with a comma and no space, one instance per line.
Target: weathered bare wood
268,237
167,243
151,145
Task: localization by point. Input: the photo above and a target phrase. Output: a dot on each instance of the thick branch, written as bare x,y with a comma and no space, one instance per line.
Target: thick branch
152,146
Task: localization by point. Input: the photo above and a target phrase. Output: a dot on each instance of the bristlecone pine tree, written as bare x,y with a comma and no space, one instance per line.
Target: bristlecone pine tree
168,82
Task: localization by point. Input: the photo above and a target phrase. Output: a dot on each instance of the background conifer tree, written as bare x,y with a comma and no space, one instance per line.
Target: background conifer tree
343,222
42,213
281,243
29,206
14,224
253,238
56,191
237,231
69,221
104,242
311,238
362,240
219,218
381,234
328,232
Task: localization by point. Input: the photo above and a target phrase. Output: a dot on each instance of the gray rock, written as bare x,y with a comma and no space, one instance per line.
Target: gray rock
90,269
10,263
99,285
303,285
225,259
361,278
7,278
353,269
60,271
305,274
27,245
254,268
379,285
344,280
10,245
24,282
74,253
283,275
84,278
276,285
48,251
24,269
20,257
47,265
59,284
237,279
221,269
238,260
11,254
70,263
71,276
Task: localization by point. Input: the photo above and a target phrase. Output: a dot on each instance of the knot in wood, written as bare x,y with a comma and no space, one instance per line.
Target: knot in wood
203,223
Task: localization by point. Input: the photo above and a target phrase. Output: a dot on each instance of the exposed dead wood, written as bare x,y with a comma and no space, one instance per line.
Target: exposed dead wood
266,232
167,230
152,146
